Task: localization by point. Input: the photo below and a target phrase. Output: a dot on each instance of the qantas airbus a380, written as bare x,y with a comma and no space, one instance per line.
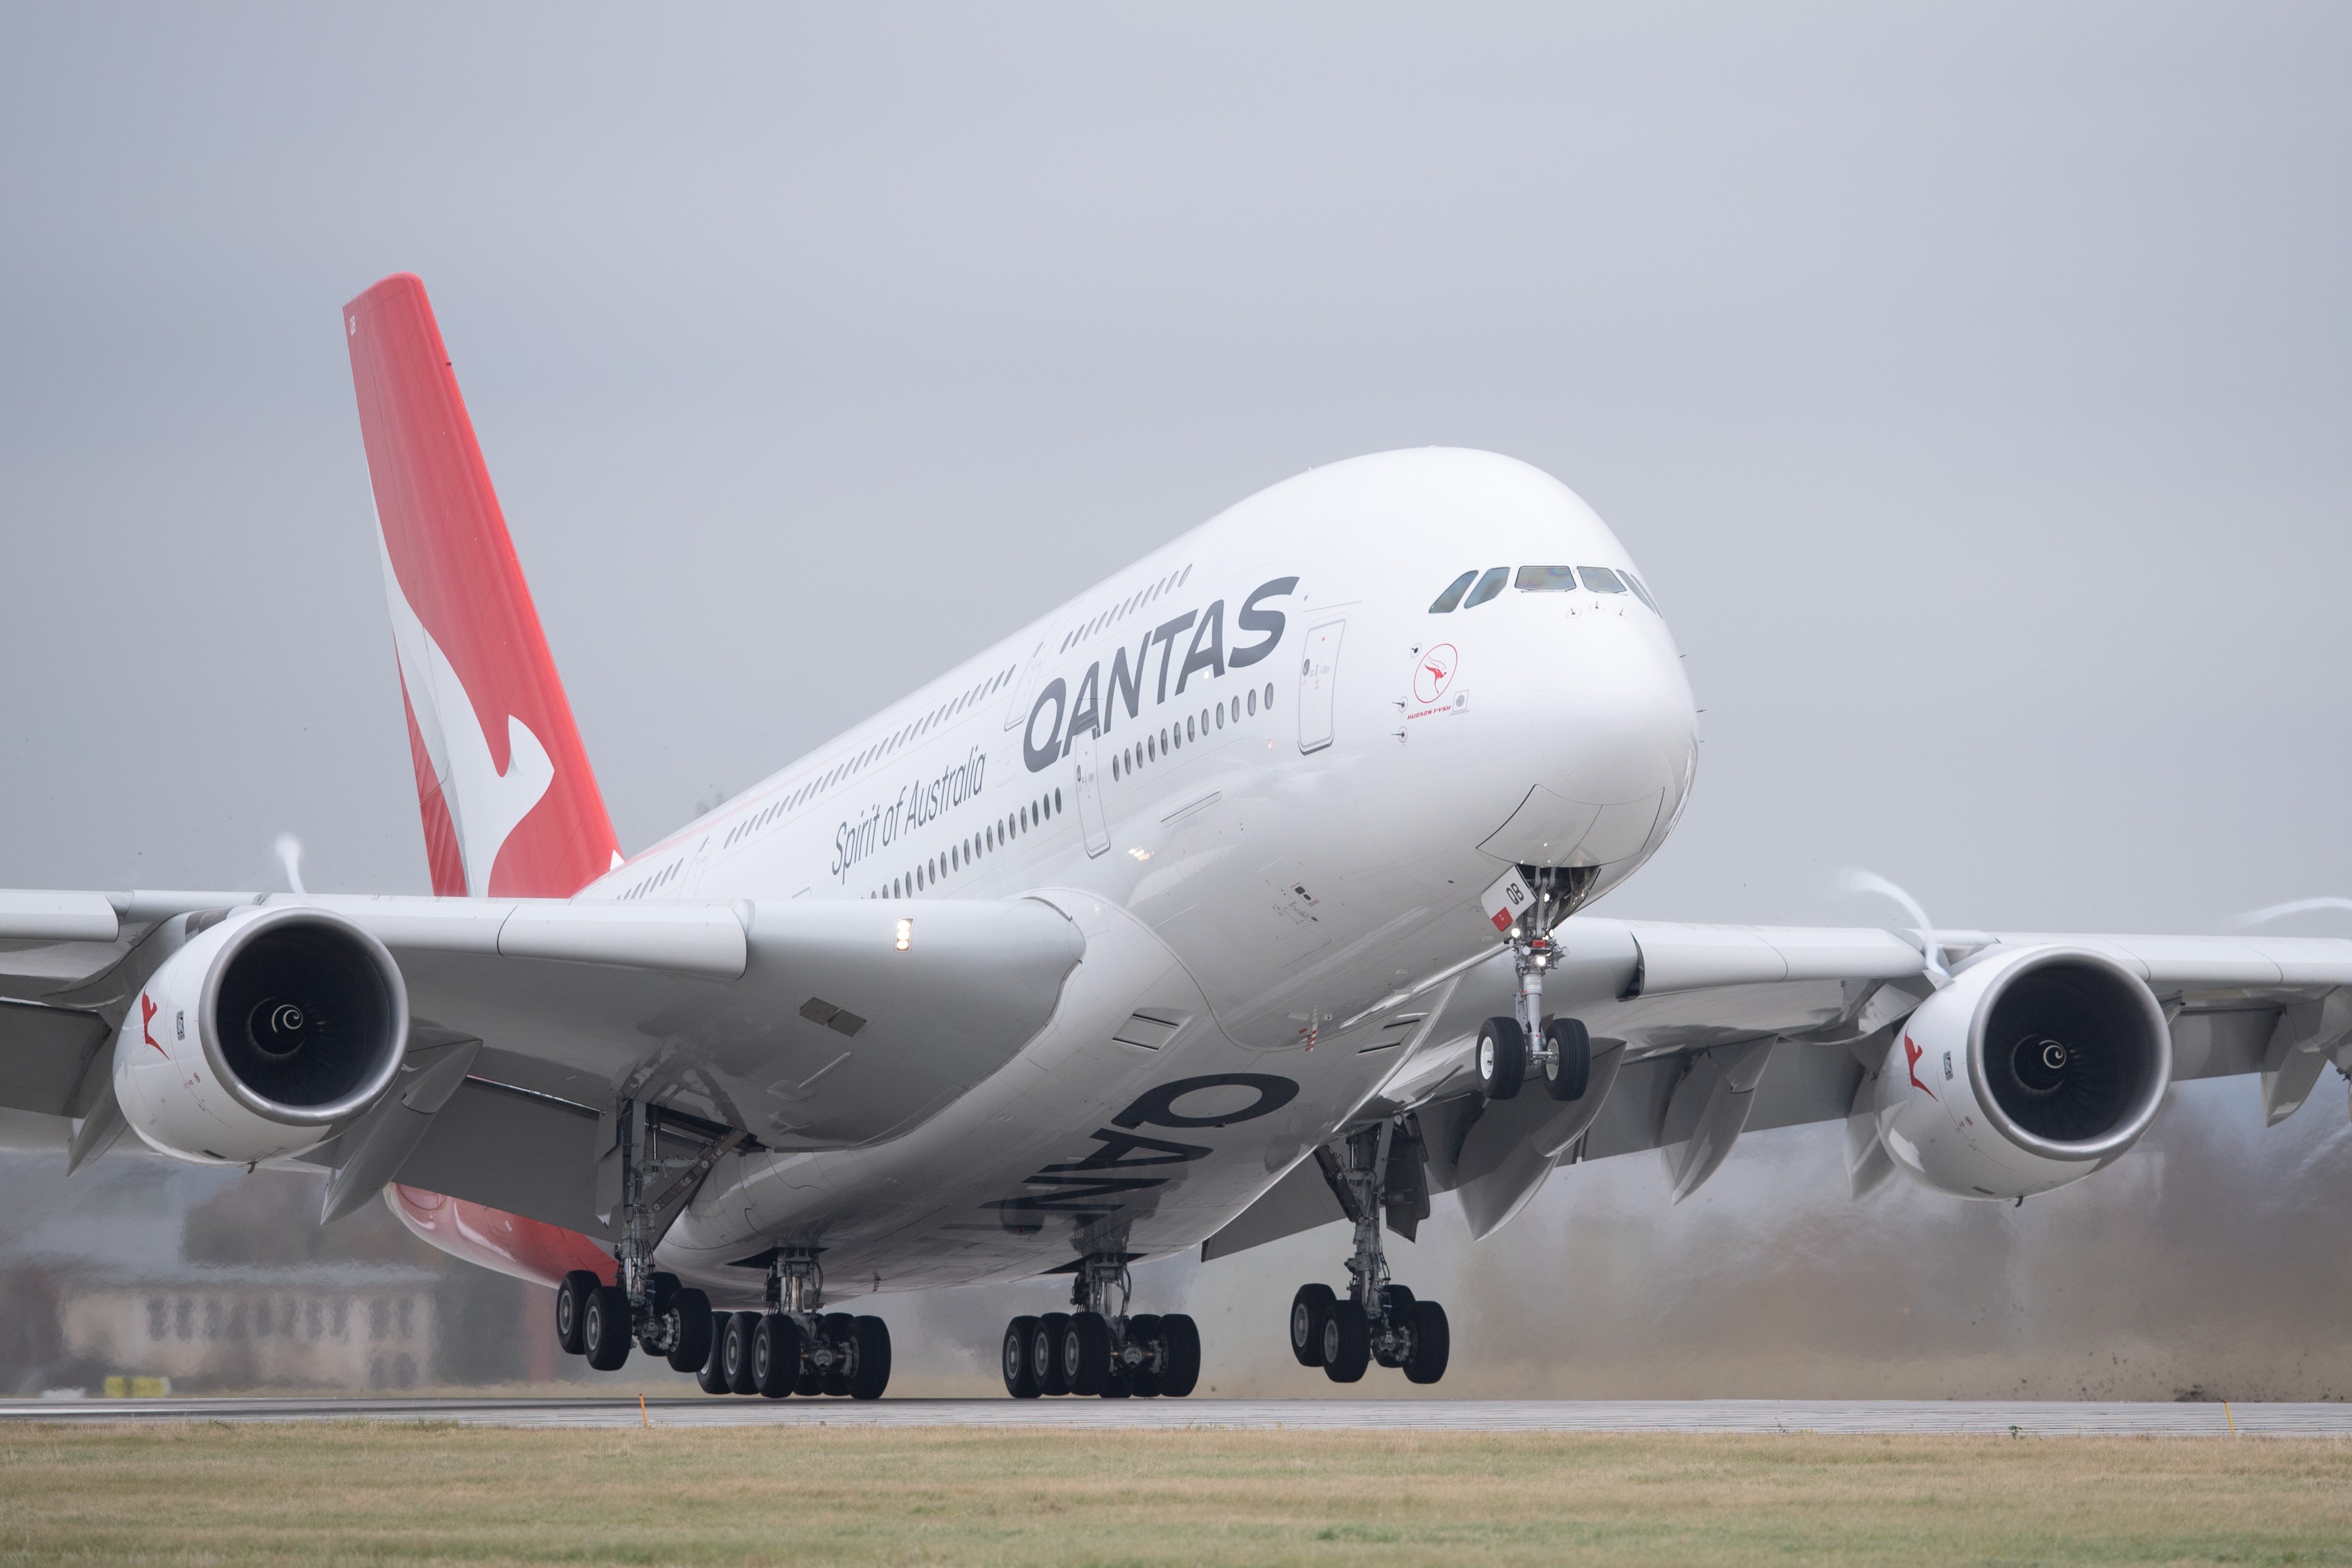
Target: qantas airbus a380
1238,894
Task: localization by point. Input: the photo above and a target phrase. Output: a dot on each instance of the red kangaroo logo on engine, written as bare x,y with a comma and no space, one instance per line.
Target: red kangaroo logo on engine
147,1011
1911,1053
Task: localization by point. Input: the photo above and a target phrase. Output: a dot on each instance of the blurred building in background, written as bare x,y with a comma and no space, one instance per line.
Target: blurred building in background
225,1282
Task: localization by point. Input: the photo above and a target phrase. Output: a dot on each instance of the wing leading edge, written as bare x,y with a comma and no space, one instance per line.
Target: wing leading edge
1704,1033
794,1024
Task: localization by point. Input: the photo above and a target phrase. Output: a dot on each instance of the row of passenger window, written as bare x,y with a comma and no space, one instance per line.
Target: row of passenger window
1474,588
1152,748
988,840
873,753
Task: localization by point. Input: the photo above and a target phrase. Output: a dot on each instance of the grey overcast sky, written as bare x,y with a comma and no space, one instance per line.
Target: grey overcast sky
1972,382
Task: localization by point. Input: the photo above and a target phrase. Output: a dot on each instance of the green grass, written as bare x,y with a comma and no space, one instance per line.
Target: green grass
436,1492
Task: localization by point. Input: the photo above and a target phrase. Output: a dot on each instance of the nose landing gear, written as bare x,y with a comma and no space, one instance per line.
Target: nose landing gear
1377,1174
1558,1052
1098,1351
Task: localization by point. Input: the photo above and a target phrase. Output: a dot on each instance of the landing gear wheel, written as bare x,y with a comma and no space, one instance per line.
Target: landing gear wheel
1432,1342
776,1355
1183,1372
1143,1332
1046,1352
711,1377
1502,1057
872,1338
837,1329
735,1342
690,1351
570,1307
1401,1304
1569,1072
604,1328
1020,1358
1086,1353
1308,1310
1346,1343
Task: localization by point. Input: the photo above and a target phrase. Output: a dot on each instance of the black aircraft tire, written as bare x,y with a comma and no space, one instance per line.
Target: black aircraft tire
1018,1358
1502,1057
1143,1381
1046,1353
711,1376
571,1304
604,1328
1570,1073
1183,1371
735,1351
872,1337
839,1328
1308,1310
1086,1354
1432,1343
692,1351
1346,1343
776,1356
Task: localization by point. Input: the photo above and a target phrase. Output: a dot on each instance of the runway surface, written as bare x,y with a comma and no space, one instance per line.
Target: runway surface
1993,1418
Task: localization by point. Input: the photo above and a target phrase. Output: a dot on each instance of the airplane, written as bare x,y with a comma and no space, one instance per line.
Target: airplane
1248,891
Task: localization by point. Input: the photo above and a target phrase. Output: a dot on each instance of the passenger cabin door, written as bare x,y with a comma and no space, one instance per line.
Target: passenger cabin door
1091,820
1318,682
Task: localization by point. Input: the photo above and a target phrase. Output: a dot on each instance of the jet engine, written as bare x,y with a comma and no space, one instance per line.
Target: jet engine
265,1035
2032,1068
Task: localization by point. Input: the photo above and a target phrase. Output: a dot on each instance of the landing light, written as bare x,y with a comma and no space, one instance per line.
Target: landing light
905,935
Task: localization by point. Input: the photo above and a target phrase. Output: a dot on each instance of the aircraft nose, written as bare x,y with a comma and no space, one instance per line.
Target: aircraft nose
1615,749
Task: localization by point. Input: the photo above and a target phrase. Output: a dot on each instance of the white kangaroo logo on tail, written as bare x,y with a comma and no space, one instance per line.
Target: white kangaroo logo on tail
484,803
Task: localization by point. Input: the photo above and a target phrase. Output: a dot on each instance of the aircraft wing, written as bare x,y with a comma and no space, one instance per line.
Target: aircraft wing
792,1024
1701,1033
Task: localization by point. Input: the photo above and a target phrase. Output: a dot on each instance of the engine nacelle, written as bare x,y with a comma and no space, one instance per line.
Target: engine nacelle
2031,1069
264,1035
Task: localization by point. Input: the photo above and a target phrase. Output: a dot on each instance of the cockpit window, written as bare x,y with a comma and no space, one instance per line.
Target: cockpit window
1641,593
1601,580
1488,586
1453,595
1547,579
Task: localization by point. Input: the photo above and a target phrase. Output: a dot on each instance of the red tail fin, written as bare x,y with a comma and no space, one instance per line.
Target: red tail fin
510,806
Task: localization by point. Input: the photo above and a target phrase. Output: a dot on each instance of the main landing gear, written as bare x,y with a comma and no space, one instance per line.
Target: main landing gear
594,1319
650,1167
792,1347
1376,1172
1558,1052
1098,1351
653,1163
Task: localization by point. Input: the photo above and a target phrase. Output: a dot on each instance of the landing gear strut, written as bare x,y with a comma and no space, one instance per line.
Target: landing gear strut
1376,1172
1558,1052
1099,1349
652,1162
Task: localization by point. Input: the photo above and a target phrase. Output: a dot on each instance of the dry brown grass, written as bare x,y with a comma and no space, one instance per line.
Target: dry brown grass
384,1494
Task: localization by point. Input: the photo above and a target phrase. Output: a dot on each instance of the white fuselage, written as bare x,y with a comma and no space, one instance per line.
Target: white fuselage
1270,785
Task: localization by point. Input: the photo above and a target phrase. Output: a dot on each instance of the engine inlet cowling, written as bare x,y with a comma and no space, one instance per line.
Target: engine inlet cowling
261,1037
2034,1068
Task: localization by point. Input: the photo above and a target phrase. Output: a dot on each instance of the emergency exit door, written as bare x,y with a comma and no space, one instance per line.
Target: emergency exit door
1318,681
1091,819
